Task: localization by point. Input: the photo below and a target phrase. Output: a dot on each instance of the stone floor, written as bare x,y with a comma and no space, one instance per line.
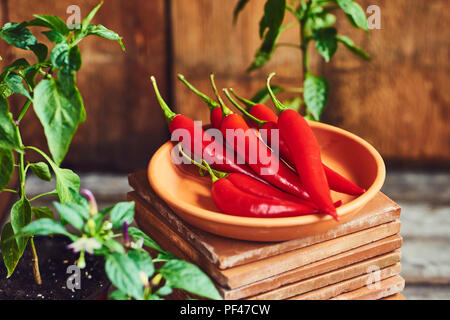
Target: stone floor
425,201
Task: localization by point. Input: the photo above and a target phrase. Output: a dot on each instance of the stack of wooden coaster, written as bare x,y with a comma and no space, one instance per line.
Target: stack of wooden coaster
359,259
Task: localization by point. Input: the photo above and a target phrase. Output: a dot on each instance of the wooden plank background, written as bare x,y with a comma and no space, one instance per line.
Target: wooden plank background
399,101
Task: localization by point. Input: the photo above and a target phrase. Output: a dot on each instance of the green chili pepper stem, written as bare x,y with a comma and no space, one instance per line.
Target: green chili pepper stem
211,173
249,104
226,111
280,107
218,173
245,112
168,113
210,102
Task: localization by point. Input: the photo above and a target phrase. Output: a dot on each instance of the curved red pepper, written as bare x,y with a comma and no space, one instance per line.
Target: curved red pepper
336,181
305,152
232,200
255,187
210,149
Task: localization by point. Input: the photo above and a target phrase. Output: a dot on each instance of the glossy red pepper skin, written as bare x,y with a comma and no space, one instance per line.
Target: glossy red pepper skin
233,201
276,172
216,117
261,111
306,154
336,181
255,187
213,151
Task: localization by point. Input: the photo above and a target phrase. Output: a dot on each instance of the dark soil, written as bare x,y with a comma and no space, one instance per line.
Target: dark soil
54,259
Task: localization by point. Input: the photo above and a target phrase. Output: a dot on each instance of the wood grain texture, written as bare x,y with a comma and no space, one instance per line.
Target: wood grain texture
390,284
226,253
148,219
330,278
399,101
124,125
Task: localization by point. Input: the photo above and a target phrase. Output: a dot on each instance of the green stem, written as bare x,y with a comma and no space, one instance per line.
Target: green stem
24,110
169,114
9,190
210,102
46,157
280,107
211,173
248,103
259,122
226,111
35,263
216,172
50,193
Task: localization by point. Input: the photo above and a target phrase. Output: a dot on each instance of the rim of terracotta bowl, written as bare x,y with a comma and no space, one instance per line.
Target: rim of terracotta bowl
223,218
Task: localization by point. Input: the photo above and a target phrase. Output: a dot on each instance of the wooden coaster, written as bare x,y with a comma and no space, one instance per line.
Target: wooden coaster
227,253
386,288
331,278
357,288
261,269
314,269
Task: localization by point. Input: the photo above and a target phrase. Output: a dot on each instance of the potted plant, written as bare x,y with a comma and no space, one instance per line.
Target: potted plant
315,20
129,267
50,90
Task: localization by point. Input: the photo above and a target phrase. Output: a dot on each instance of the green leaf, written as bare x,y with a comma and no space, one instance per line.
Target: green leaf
15,83
294,103
86,21
66,181
66,57
5,91
103,32
319,21
274,11
18,35
41,170
70,213
41,51
45,227
326,42
165,256
263,95
20,217
123,211
315,94
186,276
114,246
118,295
18,64
9,138
239,7
136,234
6,167
143,261
351,46
9,250
42,212
59,113
164,290
51,22
54,36
354,13
124,274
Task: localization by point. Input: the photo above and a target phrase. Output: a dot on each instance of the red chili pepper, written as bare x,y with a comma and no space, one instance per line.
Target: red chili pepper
258,110
216,114
305,151
201,141
270,169
336,181
230,199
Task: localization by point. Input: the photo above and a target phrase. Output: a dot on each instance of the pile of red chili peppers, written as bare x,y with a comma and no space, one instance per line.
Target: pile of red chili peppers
252,175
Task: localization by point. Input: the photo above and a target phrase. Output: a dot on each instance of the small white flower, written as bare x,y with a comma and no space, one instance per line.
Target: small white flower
138,244
85,244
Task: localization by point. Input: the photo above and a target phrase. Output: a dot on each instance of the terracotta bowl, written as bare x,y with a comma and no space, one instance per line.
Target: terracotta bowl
189,196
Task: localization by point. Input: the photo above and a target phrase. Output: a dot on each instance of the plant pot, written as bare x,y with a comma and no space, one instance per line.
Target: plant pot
54,261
